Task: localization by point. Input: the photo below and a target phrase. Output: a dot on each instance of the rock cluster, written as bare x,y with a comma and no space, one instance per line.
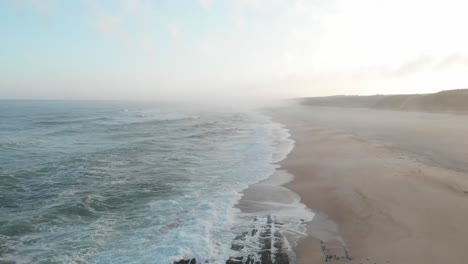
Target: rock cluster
186,261
335,253
263,244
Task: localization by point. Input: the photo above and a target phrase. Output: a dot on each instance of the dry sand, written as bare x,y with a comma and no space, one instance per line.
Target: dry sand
395,183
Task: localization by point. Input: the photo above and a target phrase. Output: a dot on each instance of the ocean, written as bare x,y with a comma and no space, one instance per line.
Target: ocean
118,182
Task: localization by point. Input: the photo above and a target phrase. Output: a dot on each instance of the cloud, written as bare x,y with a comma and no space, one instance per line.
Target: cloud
147,45
253,4
413,66
132,6
455,59
406,68
111,26
44,7
126,22
430,63
175,30
206,4
107,24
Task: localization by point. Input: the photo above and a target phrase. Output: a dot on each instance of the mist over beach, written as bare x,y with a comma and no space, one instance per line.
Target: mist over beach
389,183
233,132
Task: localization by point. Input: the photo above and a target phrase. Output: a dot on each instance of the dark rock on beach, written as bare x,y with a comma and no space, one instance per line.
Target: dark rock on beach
269,244
186,261
333,253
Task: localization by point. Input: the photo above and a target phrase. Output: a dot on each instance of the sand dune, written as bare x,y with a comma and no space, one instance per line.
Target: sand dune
445,101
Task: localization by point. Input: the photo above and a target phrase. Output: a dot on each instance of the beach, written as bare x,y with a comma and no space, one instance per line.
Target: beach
386,186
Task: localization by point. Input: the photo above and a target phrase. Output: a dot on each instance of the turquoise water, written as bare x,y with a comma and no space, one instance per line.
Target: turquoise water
114,182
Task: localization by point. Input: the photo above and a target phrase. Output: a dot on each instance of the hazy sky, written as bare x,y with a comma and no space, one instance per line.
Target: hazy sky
163,49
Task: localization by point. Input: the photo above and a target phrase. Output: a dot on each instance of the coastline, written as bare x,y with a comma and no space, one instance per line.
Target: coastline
272,219
394,198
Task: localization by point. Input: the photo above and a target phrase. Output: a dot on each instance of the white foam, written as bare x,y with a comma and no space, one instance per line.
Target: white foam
212,242
270,198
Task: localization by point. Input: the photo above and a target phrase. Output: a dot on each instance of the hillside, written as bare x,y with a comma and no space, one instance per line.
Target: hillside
455,101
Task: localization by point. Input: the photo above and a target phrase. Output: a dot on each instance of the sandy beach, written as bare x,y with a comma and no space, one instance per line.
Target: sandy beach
387,186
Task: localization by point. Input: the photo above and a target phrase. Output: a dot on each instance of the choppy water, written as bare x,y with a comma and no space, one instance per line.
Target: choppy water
108,182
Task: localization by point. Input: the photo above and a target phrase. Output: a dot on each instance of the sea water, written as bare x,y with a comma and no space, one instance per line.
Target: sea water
115,182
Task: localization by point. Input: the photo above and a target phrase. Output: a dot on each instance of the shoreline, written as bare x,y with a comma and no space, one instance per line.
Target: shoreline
392,199
269,203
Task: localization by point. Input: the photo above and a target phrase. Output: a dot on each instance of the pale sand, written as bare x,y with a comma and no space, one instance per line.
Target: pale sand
396,183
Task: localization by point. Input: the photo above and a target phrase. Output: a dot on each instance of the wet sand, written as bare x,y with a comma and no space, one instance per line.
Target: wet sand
387,186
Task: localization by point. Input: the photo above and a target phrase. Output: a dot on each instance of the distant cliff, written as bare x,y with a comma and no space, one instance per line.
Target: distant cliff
455,101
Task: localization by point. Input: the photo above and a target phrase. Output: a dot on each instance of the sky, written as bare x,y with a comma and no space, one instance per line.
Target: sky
191,49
